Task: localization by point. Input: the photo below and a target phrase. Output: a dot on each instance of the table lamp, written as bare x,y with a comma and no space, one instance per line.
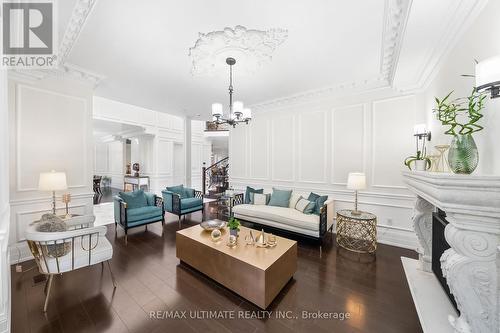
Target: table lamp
52,181
356,181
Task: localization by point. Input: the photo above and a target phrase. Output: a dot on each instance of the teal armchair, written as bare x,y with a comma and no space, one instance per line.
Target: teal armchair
137,208
180,200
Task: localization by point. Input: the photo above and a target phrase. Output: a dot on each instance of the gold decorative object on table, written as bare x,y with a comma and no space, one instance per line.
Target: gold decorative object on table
434,162
232,241
260,241
357,233
216,235
66,199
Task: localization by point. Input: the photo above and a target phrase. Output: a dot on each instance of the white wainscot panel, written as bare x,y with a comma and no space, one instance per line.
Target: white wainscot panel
115,157
283,148
238,148
163,120
196,158
393,140
177,123
166,151
312,147
49,123
148,117
101,158
259,143
348,151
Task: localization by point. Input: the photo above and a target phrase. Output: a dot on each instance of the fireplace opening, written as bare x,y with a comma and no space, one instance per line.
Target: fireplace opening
439,245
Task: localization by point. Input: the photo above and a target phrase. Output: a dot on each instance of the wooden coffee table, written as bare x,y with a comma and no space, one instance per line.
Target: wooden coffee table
256,274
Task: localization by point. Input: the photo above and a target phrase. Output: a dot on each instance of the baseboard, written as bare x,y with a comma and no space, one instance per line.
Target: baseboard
397,237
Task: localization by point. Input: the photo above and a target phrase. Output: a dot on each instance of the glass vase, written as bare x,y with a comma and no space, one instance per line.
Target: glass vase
463,156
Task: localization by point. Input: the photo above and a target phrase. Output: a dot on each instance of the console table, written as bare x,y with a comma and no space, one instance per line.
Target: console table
141,182
470,266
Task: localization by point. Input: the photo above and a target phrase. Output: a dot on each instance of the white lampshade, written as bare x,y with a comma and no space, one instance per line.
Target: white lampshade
488,71
238,107
247,113
356,181
52,181
217,110
419,129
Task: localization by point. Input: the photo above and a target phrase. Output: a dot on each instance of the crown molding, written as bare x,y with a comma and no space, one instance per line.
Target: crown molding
461,19
396,15
79,17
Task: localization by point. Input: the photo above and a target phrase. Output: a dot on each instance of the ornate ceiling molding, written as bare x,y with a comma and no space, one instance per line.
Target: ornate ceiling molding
251,48
78,18
396,17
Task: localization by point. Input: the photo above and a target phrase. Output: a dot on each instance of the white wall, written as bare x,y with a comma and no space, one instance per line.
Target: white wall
109,161
201,151
4,207
481,41
313,146
50,128
154,147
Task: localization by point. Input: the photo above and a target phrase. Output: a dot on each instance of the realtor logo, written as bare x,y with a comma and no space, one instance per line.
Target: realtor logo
28,35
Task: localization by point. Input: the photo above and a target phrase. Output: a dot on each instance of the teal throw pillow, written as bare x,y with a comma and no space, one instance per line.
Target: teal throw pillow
319,200
150,197
188,193
179,189
135,199
251,190
280,198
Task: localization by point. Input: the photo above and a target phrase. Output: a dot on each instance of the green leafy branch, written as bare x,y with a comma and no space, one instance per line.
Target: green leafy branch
448,111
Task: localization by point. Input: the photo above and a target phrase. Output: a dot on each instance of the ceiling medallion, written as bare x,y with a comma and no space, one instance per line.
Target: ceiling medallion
253,48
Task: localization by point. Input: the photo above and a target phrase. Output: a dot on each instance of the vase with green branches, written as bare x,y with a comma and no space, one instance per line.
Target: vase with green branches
462,116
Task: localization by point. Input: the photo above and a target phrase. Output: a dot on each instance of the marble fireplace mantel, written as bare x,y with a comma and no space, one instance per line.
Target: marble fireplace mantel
472,265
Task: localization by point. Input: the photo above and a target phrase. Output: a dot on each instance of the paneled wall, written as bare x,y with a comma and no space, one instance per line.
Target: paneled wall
4,207
313,147
154,149
50,129
201,150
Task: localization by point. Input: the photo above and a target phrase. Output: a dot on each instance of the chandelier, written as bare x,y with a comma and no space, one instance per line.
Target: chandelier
237,114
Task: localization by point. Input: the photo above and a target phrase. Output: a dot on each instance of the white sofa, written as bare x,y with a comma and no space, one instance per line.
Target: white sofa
288,219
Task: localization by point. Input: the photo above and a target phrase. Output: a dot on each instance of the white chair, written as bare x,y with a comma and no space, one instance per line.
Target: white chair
80,246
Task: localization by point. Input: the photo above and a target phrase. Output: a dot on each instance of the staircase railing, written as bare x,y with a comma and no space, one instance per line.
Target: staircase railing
217,173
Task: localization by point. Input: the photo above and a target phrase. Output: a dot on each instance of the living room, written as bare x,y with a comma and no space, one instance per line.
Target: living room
250,167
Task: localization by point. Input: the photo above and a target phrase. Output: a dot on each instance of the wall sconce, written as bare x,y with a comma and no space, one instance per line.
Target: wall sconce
420,131
488,76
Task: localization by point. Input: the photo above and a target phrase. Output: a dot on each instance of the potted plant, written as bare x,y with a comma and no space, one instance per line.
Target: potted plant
233,226
462,115
421,161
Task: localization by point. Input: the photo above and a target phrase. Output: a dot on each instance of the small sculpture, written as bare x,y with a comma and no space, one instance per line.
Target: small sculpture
129,171
261,239
136,169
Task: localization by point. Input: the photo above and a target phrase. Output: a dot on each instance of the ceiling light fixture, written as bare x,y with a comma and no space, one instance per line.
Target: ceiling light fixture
237,113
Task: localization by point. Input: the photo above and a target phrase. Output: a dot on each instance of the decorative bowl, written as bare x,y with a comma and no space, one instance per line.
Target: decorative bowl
212,225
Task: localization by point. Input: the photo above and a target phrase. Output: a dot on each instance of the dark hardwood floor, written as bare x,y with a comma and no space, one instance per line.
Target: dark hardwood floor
106,195
150,278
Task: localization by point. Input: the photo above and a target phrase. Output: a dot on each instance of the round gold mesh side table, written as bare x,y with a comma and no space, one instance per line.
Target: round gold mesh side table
357,233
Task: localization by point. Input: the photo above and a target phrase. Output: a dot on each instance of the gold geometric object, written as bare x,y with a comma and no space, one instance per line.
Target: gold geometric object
261,239
442,161
357,233
66,198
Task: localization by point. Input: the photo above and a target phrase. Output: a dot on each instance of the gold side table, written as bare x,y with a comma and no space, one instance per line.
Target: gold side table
357,233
